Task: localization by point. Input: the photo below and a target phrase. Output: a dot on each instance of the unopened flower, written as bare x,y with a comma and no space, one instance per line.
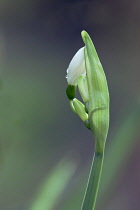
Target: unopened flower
80,110
83,88
76,67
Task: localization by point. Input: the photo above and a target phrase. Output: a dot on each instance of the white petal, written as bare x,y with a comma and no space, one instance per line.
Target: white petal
76,67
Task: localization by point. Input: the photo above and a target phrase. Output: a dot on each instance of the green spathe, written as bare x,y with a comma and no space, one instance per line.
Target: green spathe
98,94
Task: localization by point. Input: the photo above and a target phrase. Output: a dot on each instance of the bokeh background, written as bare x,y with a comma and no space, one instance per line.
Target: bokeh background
45,150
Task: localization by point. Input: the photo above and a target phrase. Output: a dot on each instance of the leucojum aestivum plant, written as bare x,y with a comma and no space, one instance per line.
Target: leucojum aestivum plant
86,72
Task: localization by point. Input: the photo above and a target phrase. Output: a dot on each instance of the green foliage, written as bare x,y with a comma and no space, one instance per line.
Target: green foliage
121,145
119,151
54,185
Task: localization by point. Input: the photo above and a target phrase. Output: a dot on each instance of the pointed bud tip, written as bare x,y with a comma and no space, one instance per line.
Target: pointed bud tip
84,34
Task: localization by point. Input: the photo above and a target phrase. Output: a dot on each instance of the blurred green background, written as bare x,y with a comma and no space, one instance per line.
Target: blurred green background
45,150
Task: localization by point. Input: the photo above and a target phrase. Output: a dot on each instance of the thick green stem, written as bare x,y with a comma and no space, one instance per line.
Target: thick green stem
93,182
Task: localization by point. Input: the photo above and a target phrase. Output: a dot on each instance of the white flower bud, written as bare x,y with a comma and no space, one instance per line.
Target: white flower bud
76,67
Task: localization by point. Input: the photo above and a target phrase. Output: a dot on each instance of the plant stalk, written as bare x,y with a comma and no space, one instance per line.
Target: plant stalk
93,181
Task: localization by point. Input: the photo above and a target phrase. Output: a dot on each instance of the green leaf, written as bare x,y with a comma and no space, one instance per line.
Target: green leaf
54,185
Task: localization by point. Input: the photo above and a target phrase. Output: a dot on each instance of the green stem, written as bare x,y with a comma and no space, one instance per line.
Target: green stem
93,182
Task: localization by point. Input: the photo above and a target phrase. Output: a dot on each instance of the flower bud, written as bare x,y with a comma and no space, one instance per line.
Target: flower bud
76,68
80,109
71,91
83,88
